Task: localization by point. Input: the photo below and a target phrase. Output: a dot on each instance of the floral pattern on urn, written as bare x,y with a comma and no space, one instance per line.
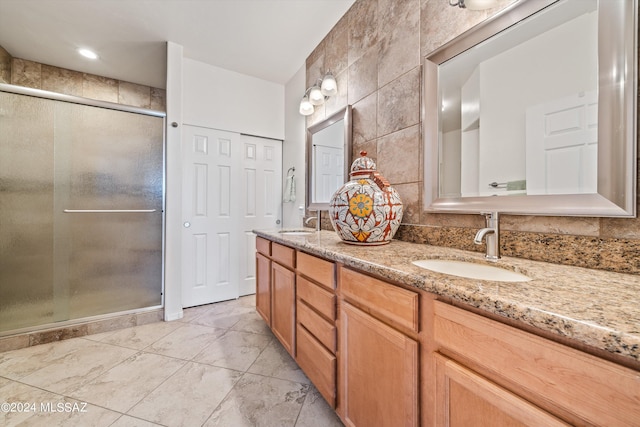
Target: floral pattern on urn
366,210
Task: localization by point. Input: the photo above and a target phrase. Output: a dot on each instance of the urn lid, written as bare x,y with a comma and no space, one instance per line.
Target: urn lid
363,165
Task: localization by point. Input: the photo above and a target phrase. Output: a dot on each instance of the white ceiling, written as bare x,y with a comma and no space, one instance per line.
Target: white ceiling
268,39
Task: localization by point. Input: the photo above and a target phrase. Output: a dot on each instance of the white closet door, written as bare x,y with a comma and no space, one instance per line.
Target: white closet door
261,193
210,238
232,184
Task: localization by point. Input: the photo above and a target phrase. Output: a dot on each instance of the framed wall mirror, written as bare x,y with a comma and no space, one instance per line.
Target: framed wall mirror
328,155
534,112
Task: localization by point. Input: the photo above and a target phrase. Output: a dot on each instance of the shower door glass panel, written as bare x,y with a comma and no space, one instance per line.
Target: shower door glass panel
26,211
109,161
70,247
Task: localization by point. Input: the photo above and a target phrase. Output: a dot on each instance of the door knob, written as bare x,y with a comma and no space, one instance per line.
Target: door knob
187,224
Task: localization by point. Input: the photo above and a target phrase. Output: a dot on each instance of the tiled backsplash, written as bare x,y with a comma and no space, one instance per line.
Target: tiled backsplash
31,74
376,51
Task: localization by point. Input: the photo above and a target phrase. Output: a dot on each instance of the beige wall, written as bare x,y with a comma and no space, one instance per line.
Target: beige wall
31,74
375,51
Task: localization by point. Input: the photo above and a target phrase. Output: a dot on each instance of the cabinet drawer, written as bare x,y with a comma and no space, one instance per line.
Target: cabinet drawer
393,302
595,390
263,246
283,255
317,297
318,364
322,271
324,331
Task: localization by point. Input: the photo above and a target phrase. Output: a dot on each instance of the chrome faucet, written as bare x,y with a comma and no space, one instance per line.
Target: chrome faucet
491,233
317,218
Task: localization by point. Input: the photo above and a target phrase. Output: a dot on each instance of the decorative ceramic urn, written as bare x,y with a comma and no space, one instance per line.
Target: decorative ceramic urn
366,210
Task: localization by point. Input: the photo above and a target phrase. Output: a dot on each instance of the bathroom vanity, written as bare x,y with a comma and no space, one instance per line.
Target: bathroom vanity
388,343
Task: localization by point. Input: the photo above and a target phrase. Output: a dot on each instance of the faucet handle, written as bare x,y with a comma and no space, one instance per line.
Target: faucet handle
491,218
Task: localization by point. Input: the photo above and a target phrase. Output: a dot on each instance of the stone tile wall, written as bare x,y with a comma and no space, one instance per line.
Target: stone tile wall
375,52
46,77
5,66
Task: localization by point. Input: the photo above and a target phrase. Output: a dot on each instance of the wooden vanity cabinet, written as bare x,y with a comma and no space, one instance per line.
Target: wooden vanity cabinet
276,289
283,295
384,355
378,360
263,279
316,341
489,373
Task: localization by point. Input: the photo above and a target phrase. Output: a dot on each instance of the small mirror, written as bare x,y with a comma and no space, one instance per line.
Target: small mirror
536,106
328,150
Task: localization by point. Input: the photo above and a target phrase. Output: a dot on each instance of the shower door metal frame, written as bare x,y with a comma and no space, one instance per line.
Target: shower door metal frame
38,93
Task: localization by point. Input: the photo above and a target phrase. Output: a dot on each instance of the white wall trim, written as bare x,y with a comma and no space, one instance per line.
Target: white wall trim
173,191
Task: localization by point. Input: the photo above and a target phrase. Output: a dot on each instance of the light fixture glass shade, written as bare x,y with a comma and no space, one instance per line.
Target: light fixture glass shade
329,85
315,95
306,108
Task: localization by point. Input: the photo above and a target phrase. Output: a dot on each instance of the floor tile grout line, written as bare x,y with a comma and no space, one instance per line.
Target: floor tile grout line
260,354
126,413
224,398
67,396
185,361
154,389
137,418
139,352
20,380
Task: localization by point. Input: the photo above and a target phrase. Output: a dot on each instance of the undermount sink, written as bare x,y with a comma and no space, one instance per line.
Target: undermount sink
471,270
296,232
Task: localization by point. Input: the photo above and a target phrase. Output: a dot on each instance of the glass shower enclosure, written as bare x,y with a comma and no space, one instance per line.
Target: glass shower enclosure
81,209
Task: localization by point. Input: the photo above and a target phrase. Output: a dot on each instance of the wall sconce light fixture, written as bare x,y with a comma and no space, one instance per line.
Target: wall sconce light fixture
475,4
318,94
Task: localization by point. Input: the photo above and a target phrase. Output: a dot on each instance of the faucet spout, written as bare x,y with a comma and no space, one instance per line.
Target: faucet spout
491,233
481,233
317,218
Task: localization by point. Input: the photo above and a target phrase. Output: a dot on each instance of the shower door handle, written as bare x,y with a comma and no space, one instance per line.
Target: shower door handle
109,210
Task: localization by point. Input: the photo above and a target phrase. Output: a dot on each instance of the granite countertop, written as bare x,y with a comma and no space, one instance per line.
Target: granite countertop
598,308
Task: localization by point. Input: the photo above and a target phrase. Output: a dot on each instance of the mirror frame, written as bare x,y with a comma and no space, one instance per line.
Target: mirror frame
617,116
342,114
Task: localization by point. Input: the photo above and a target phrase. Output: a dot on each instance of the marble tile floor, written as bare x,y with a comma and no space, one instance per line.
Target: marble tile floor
218,366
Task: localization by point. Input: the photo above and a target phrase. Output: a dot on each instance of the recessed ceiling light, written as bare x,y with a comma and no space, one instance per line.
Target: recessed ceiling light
88,53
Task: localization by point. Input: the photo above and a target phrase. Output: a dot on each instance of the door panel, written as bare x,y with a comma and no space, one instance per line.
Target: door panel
562,146
261,186
210,237
231,186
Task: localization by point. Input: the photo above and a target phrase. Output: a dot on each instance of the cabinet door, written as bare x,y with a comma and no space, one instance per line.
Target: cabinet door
263,287
379,372
283,303
317,363
465,399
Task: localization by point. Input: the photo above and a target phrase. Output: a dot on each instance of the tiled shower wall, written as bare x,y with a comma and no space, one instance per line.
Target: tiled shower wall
5,66
31,74
375,51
